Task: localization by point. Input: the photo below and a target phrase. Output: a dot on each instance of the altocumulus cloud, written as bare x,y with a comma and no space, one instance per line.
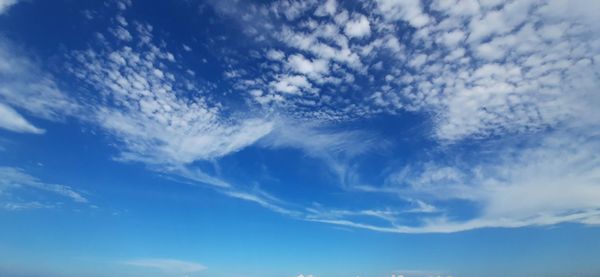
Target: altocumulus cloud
524,71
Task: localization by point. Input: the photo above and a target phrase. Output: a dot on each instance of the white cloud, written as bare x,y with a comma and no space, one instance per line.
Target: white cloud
151,119
291,10
5,4
13,121
15,178
489,52
327,8
490,3
517,67
453,38
19,206
418,60
24,85
291,84
553,181
275,55
262,199
359,27
313,69
170,266
407,10
445,80
317,139
500,21
311,43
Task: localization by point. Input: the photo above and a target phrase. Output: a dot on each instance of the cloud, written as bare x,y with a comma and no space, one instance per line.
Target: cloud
553,182
291,84
13,121
317,139
170,266
14,178
263,199
359,27
6,4
27,87
444,76
275,55
313,69
146,111
327,8
497,79
18,206
407,10
480,71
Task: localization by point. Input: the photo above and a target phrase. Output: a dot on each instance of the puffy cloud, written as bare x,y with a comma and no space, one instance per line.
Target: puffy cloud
313,69
291,84
482,70
359,27
311,43
146,113
453,38
327,8
410,11
275,55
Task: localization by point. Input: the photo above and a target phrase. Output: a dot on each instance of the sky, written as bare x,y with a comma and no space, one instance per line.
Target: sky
227,138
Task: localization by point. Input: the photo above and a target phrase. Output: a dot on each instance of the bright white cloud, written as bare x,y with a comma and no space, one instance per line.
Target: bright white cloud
313,69
291,84
13,121
359,27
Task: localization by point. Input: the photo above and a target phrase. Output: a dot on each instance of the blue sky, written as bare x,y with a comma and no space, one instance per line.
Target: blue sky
299,138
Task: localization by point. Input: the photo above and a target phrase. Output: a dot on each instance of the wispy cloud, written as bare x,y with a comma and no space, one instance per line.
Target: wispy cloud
6,4
167,265
14,178
18,206
27,87
553,182
13,121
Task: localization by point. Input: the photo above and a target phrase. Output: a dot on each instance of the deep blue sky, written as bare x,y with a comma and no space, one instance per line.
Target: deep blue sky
298,138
